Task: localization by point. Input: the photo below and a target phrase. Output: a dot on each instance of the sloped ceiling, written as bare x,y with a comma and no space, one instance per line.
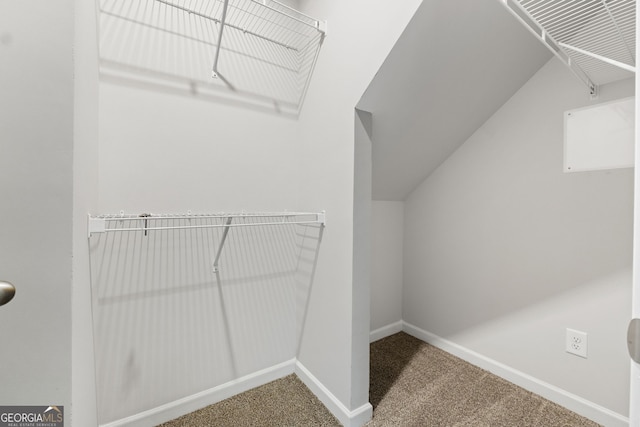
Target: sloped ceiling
455,64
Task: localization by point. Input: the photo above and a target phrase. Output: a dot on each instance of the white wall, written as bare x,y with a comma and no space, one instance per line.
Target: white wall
387,232
352,53
503,251
167,327
168,151
165,153
49,139
36,143
361,282
85,198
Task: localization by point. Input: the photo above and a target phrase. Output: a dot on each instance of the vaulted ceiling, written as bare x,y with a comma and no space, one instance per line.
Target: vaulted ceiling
454,65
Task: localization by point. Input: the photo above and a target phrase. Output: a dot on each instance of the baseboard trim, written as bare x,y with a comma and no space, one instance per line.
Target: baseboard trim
347,418
362,414
386,331
183,406
577,404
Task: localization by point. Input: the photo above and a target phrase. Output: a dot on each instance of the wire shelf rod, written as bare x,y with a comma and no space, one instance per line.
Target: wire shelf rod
620,34
568,30
157,28
563,11
601,58
545,7
567,27
188,227
612,51
265,20
608,38
226,24
297,12
222,215
573,19
607,34
148,222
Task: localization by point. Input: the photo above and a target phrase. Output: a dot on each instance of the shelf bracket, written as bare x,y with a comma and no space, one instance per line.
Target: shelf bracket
322,218
223,20
224,237
531,24
96,225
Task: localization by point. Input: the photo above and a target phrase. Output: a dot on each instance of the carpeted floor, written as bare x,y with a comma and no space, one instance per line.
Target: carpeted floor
412,384
284,402
416,384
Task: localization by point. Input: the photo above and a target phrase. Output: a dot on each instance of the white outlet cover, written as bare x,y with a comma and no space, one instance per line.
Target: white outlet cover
576,342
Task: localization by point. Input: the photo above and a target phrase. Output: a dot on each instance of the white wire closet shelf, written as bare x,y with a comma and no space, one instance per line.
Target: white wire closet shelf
146,222
596,39
258,49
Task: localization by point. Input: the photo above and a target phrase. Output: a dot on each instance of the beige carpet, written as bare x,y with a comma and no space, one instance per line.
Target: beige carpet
416,384
284,402
412,384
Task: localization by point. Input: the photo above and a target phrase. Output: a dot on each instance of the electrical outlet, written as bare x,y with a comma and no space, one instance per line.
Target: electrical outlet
576,343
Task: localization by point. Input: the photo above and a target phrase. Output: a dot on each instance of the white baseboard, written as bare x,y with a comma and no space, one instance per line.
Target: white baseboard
359,416
347,418
386,331
183,406
577,404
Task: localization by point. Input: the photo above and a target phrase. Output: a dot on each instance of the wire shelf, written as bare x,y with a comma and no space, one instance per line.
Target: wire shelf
595,38
262,50
146,222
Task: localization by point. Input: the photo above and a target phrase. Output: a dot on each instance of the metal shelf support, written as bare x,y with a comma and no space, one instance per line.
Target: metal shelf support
224,238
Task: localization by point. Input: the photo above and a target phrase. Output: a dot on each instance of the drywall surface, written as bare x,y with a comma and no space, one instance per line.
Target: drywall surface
387,231
423,89
36,136
503,251
85,198
168,150
161,152
361,287
167,327
351,54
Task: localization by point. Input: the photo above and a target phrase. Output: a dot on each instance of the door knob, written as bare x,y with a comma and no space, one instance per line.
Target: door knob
7,292
633,340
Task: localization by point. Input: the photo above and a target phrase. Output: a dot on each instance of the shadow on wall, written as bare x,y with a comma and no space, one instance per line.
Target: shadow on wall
167,326
264,63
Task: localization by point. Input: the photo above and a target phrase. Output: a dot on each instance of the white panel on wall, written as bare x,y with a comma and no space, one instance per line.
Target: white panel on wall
600,136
